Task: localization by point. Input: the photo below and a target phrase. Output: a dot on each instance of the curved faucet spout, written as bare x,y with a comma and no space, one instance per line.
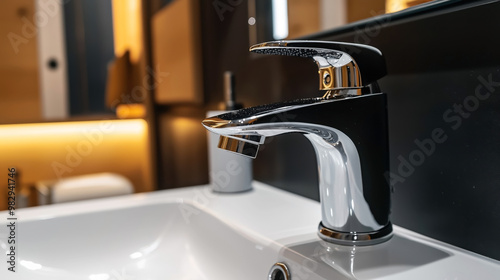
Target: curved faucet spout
351,150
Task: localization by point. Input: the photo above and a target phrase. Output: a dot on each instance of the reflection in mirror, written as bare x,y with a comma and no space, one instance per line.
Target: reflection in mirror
89,45
65,59
392,6
289,19
18,63
74,78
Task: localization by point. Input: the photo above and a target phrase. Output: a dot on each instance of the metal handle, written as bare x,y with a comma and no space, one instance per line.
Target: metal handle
341,65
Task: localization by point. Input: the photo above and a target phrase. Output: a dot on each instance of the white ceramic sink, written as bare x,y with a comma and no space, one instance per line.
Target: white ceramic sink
192,234
147,242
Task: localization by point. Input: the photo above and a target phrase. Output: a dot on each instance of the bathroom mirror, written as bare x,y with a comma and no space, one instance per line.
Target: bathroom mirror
56,67
59,56
291,19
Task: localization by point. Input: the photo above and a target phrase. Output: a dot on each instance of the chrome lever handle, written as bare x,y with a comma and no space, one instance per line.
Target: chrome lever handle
341,65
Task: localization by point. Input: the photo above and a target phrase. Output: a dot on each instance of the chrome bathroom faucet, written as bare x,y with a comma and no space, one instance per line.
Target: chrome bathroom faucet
347,127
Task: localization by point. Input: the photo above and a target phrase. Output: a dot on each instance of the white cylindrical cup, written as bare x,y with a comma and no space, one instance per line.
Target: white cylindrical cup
228,171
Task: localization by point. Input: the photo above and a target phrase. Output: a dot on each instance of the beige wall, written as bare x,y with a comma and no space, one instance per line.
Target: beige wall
303,17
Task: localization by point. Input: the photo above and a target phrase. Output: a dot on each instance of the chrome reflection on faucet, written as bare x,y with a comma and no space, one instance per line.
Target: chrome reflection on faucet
347,128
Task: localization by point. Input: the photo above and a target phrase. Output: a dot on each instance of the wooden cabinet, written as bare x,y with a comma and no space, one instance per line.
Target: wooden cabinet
19,77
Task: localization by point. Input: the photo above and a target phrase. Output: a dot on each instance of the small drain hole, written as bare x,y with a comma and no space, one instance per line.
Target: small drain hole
279,271
277,275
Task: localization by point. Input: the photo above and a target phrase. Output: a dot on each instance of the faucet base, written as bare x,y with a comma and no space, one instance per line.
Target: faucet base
355,238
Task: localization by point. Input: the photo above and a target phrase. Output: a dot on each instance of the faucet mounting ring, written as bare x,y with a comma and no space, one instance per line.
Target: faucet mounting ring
355,238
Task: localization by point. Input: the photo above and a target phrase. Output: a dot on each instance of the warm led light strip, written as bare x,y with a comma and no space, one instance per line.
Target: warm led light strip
135,126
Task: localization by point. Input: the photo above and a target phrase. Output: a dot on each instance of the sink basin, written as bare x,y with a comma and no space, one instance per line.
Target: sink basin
192,233
144,242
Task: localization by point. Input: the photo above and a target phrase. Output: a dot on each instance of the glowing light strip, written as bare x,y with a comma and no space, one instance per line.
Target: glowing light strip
70,128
